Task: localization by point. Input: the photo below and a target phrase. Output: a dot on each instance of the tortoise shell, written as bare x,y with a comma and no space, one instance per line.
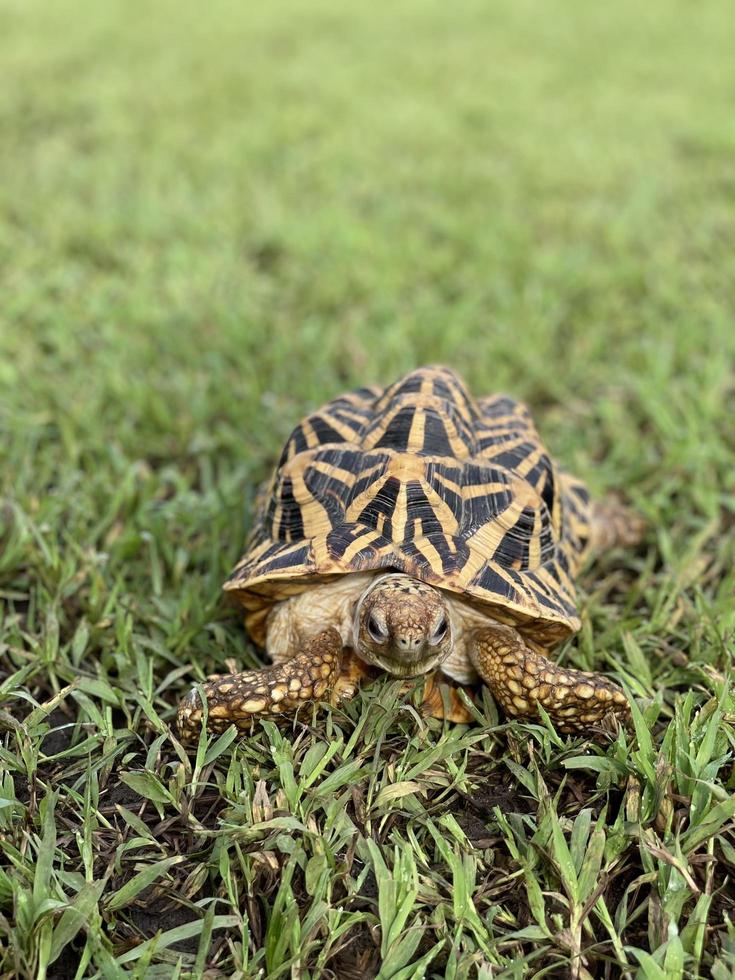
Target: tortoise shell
421,478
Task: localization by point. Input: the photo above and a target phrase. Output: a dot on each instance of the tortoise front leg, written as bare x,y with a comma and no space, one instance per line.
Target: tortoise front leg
239,699
521,680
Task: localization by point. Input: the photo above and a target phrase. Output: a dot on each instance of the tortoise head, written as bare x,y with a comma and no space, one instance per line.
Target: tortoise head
402,626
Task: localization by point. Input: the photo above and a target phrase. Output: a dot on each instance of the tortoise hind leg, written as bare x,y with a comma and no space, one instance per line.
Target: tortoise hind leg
239,699
442,700
613,525
521,680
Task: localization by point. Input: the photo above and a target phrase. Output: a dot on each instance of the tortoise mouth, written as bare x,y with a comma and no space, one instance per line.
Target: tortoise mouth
407,668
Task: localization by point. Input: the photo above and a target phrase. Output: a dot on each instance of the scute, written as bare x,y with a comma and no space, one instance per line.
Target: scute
421,478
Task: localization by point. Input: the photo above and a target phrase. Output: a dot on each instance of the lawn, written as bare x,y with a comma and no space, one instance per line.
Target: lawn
212,219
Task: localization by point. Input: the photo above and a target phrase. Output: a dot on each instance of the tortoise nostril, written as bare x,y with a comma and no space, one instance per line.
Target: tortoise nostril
409,644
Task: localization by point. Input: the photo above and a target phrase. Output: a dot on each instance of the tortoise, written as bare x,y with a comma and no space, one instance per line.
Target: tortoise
415,530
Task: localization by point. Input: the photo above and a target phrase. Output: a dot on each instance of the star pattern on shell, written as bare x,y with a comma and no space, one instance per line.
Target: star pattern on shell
421,478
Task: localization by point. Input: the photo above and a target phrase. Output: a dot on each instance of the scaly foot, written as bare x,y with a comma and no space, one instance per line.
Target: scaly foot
239,699
521,680
613,525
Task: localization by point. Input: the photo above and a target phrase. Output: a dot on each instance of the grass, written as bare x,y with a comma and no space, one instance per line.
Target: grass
211,220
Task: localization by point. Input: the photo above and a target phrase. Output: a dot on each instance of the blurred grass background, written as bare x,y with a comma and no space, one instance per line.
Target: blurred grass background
213,218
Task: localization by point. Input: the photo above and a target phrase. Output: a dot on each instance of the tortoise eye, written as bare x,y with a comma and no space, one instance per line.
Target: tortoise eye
375,630
441,631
